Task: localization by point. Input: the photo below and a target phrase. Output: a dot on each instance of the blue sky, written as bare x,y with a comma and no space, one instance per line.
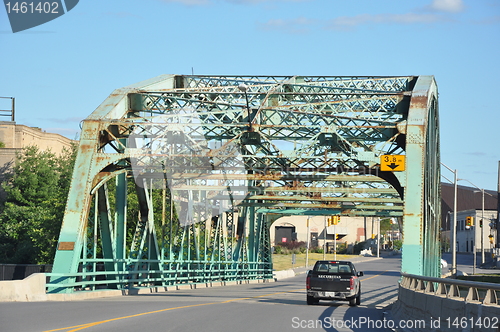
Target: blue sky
59,72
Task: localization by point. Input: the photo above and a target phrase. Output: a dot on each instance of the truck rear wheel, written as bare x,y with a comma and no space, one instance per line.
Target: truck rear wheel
311,300
355,300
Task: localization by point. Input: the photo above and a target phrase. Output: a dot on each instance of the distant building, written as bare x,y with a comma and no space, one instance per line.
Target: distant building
15,137
351,230
469,204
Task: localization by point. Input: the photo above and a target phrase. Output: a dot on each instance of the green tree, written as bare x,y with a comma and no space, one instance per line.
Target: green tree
385,225
398,244
36,190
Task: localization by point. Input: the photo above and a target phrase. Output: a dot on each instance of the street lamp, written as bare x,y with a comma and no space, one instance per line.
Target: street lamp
475,228
249,137
244,88
454,233
482,221
482,224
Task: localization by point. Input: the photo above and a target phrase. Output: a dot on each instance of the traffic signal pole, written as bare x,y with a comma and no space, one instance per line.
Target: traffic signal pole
335,241
498,211
324,241
333,221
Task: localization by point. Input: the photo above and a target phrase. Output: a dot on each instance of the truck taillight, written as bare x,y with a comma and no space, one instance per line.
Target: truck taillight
308,282
351,284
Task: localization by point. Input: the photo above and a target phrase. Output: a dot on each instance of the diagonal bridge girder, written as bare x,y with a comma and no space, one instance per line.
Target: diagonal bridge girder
179,178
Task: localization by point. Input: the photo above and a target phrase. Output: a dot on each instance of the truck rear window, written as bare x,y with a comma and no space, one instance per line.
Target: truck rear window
333,268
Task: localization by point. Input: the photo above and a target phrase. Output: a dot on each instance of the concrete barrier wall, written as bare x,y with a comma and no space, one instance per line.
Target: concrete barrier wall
278,275
440,312
31,288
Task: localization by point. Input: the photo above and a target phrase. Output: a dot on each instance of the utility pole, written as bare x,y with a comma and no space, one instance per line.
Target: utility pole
335,241
307,246
498,210
378,238
454,244
324,238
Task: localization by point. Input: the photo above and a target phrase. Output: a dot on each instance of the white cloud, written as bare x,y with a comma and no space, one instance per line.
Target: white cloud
450,6
295,26
409,18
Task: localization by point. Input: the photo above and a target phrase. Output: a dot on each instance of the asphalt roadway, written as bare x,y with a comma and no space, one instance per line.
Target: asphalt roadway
274,306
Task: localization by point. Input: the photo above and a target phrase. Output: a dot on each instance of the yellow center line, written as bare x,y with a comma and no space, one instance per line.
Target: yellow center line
84,326
373,276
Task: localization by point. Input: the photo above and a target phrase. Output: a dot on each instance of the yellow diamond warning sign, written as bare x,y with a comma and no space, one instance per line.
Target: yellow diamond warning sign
392,163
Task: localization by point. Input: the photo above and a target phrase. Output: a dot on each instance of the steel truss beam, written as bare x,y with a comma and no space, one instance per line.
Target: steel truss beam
179,178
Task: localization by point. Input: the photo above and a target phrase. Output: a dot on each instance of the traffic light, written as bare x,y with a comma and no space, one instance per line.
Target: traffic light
333,220
480,222
469,221
336,220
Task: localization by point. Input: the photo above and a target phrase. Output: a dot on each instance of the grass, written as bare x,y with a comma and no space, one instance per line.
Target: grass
284,262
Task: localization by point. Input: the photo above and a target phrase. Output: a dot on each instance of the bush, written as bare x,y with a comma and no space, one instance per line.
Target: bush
342,248
318,250
397,244
286,248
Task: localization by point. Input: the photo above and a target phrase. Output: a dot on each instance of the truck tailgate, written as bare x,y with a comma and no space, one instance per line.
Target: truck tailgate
330,283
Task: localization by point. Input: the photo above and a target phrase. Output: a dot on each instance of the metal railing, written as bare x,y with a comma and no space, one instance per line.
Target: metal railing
171,273
21,271
468,291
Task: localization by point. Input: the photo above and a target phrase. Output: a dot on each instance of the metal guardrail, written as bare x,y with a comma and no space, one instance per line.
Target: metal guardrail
21,271
469,291
144,275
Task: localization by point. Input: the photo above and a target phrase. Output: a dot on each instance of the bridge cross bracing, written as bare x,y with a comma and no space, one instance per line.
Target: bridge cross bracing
178,178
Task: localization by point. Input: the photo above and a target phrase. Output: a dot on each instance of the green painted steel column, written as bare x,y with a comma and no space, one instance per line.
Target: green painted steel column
415,190
74,226
121,219
251,234
106,227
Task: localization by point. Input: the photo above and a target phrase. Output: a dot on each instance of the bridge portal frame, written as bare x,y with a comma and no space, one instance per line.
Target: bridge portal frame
351,121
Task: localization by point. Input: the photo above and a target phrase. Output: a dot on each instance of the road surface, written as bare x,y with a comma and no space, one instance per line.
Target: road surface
275,306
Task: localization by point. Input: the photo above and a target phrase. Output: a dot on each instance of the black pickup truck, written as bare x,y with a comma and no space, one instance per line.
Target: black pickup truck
333,280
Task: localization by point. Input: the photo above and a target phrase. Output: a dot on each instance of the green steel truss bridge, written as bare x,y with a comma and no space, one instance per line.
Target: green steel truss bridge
179,178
